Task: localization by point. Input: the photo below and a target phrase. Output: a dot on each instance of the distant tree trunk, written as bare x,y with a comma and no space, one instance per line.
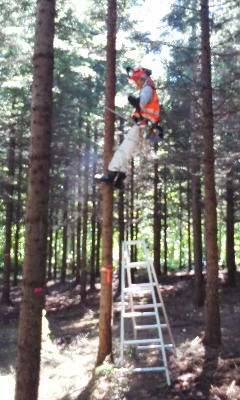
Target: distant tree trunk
18,219
165,266
105,317
65,230
94,218
121,225
55,251
189,225
230,253
34,268
79,227
72,247
50,244
156,219
83,270
180,226
9,216
196,220
93,247
212,315
98,245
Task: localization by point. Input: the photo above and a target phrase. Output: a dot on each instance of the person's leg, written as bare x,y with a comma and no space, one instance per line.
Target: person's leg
128,149
119,165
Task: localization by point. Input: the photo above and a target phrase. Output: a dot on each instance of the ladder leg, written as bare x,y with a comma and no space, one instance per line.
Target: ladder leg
122,306
163,306
149,270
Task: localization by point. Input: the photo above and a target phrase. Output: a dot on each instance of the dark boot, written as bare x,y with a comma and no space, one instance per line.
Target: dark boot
118,180
109,177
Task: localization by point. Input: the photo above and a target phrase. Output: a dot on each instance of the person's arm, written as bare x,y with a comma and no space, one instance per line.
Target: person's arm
145,96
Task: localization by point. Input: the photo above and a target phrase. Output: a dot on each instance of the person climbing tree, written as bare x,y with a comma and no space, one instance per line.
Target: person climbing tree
146,119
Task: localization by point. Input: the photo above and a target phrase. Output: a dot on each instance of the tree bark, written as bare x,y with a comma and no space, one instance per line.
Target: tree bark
196,219
9,216
65,229
165,266
105,317
156,219
230,253
34,267
83,270
18,214
212,314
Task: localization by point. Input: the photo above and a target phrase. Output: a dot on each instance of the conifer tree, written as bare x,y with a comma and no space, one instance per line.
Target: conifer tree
32,304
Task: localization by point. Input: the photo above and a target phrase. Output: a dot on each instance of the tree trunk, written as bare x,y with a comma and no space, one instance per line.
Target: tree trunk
121,225
83,270
50,244
196,220
165,266
212,315
79,226
65,229
34,268
189,225
55,251
9,216
180,226
18,213
94,219
105,317
156,219
230,253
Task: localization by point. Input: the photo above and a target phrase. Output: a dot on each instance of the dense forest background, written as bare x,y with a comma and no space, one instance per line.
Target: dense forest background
160,186
169,195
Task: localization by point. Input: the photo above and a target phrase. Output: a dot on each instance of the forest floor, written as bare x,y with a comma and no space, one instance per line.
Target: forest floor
70,344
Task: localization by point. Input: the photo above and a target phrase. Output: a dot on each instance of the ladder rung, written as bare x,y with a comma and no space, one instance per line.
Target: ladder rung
139,286
139,341
153,326
136,264
156,346
140,306
138,314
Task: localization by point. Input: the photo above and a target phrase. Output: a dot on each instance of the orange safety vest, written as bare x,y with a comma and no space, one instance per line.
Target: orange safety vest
151,110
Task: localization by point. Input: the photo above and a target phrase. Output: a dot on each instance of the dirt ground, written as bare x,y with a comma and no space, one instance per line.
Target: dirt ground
70,343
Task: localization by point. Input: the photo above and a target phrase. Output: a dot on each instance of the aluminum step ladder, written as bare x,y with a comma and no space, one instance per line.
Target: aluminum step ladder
143,304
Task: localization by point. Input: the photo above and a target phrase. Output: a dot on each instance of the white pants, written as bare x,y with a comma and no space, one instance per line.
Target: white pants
128,149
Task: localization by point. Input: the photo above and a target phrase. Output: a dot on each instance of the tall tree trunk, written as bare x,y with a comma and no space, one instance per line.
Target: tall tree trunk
180,226
156,218
212,314
189,225
50,244
83,270
79,235
132,204
196,220
98,246
121,224
105,318
34,268
9,216
230,253
94,218
18,213
56,250
65,229
165,266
